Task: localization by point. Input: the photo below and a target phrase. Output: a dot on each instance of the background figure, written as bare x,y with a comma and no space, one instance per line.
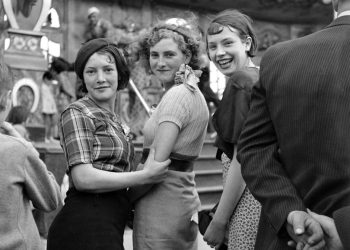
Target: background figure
24,180
96,207
231,43
60,69
176,130
210,97
294,147
23,6
18,117
97,27
49,109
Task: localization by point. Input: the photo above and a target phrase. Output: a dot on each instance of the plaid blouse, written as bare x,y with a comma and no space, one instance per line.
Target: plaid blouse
91,134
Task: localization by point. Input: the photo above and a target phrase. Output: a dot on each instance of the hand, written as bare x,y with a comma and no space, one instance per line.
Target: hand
215,234
331,234
156,171
10,130
305,231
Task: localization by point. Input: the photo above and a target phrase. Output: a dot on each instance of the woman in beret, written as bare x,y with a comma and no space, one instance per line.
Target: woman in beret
99,156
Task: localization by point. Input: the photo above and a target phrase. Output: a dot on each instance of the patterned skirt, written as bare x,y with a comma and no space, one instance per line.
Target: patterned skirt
243,224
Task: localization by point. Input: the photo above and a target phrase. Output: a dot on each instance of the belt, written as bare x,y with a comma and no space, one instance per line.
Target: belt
175,165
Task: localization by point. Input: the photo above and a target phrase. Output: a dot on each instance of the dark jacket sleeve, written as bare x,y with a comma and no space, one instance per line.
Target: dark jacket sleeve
342,223
229,117
262,168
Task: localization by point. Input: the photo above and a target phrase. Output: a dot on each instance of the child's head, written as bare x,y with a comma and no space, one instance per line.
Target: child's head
47,77
18,115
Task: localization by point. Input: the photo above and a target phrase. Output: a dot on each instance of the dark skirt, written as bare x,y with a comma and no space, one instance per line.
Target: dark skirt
90,222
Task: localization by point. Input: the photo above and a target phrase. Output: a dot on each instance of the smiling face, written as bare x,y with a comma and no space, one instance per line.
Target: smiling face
227,50
165,60
101,79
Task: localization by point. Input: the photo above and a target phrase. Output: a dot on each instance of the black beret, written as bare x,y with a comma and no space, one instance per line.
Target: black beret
87,50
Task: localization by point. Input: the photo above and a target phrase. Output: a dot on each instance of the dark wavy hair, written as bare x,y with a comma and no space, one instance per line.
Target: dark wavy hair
187,40
234,19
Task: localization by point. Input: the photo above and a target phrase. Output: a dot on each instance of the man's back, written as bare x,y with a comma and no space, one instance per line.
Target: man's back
309,103
295,148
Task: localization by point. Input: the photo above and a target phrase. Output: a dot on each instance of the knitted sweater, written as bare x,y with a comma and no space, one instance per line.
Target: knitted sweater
189,111
24,180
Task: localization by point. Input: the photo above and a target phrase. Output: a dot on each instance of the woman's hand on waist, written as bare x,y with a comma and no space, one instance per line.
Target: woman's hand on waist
155,171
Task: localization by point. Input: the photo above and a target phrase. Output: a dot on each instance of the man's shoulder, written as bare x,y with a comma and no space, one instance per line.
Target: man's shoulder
286,45
287,49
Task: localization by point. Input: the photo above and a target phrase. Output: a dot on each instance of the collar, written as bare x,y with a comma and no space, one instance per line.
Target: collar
344,13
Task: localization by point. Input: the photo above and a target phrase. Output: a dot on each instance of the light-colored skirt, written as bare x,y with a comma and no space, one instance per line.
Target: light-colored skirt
165,218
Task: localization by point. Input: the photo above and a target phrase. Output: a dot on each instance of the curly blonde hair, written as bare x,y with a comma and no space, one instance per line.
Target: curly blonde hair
188,42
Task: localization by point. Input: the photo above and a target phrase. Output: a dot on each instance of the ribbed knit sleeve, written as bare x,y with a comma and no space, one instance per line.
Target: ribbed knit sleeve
188,110
175,107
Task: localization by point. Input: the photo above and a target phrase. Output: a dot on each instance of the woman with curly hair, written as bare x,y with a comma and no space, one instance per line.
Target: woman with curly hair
165,217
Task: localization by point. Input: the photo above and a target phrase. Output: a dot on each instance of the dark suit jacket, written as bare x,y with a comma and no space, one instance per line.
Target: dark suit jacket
342,223
295,146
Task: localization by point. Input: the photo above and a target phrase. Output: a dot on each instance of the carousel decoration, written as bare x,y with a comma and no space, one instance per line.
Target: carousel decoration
25,18
23,52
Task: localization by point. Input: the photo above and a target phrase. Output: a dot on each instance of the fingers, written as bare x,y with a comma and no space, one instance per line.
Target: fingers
323,220
319,246
151,158
296,219
291,243
306,231
214,235
300,246
156,171
315,231
217,246
214,245
316,235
